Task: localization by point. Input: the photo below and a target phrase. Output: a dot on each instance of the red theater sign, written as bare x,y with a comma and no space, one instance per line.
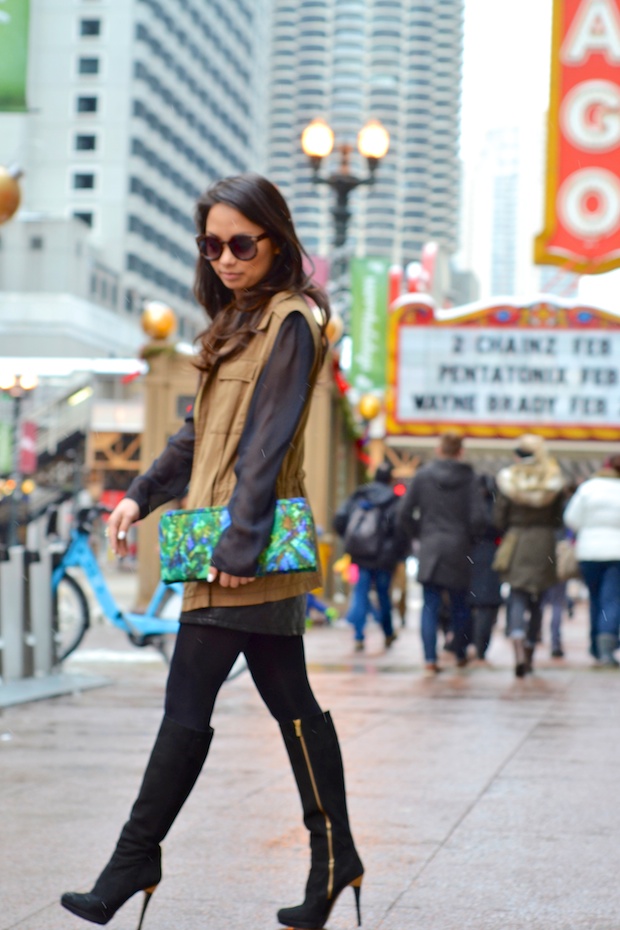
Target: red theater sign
582,213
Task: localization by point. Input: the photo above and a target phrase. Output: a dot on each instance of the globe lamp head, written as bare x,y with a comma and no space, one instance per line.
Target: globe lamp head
10,194
158,320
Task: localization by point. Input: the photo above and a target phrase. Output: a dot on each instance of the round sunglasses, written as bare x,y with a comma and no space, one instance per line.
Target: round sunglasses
242,247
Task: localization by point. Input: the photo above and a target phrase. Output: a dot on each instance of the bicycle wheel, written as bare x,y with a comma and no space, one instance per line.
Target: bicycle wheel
169,608
71,617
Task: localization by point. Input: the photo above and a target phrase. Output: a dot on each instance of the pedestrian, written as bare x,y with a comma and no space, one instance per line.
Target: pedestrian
243,448
484,596
528,512
367,523
593,512
443,509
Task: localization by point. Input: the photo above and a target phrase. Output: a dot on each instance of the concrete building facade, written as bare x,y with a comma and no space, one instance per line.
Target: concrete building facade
134,108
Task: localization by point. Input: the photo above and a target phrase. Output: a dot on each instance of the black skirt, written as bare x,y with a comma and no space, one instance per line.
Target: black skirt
277,618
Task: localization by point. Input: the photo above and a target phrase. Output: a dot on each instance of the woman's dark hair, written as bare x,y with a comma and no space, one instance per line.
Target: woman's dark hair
233,322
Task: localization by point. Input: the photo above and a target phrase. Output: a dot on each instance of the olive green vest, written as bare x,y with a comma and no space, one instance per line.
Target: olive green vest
220,413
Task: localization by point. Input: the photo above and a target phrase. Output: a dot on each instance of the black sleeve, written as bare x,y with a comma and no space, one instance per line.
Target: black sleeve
168,476
275,409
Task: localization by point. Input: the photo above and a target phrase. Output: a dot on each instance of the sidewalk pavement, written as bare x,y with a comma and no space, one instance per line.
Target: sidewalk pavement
478,801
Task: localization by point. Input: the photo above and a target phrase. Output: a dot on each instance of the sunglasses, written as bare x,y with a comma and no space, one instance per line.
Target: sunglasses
242,247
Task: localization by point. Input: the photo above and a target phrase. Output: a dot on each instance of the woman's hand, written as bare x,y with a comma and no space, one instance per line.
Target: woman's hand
226,580
121,518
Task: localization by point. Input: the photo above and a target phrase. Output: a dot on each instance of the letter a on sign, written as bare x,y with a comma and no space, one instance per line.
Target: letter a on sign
582,207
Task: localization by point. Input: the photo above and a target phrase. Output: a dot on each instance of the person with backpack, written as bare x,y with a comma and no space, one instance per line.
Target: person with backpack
367,524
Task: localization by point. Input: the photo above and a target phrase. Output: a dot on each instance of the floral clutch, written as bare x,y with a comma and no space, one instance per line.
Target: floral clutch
187,539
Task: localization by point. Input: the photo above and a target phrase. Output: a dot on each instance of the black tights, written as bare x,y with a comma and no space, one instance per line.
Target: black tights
203,657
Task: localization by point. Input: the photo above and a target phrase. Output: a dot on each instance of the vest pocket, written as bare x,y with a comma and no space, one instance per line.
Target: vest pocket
229,397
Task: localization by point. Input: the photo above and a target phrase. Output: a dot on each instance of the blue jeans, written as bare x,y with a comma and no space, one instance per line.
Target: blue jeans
603,581
360,603
555,596
459,615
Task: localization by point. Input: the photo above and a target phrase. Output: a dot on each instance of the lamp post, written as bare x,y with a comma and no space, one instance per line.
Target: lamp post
317,142
16,386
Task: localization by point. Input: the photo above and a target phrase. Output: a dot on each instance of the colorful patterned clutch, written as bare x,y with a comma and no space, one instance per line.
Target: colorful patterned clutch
187,539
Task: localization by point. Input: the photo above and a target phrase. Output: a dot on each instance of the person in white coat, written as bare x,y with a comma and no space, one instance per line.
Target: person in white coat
593,513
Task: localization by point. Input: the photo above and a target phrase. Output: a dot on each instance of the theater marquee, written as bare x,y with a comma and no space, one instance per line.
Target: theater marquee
499,371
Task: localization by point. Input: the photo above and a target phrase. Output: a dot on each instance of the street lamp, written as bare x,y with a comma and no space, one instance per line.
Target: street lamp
16,386
317,141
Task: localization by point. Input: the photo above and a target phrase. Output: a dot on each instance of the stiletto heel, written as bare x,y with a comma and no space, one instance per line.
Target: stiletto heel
148,894
356,885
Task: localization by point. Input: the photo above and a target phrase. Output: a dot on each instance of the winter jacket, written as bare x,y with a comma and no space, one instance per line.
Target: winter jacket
593,513
443,509
530,504
394,547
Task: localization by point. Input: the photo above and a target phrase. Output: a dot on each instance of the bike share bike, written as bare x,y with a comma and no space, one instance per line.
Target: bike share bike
71,612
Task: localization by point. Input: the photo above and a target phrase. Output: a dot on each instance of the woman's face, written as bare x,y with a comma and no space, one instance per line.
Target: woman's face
224,222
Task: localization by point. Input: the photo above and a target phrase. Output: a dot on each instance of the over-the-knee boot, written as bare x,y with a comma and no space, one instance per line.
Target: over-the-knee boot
313,749
175,763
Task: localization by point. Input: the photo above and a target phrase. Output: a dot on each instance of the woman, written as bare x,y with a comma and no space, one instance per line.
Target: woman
593,512
243,448
528,511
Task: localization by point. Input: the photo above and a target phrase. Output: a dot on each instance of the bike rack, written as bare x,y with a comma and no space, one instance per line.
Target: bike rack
26,634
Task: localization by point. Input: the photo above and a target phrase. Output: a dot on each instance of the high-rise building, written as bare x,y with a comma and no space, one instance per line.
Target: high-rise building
499,221
351,60
134,108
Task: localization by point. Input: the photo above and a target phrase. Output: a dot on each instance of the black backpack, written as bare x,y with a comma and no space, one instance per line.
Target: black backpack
365,533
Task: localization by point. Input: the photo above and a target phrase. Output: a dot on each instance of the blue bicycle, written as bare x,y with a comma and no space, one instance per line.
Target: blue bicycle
156,627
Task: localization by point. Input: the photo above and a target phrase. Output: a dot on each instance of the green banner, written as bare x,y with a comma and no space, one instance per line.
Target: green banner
369,297
6,449
13,54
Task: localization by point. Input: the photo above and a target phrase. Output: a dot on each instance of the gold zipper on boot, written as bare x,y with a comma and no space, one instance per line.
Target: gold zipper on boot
328,823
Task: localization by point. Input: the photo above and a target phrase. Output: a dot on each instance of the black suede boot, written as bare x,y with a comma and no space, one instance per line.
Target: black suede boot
313,749
175,763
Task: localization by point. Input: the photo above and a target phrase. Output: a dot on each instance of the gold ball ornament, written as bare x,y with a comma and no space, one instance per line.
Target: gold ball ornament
369,406
158,320
10,194
335,329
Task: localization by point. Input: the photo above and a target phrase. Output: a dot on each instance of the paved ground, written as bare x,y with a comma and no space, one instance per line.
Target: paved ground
478,801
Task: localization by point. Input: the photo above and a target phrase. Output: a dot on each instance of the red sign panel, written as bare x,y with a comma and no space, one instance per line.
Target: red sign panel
28,448
582,214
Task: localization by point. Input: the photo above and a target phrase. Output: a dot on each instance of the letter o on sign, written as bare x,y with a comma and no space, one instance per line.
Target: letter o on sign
589,203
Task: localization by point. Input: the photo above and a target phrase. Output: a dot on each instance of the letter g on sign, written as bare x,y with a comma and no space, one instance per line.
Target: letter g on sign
591,116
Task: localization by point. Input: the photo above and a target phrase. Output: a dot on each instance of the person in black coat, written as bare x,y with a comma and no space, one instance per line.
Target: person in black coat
443,510
485,596
376,567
